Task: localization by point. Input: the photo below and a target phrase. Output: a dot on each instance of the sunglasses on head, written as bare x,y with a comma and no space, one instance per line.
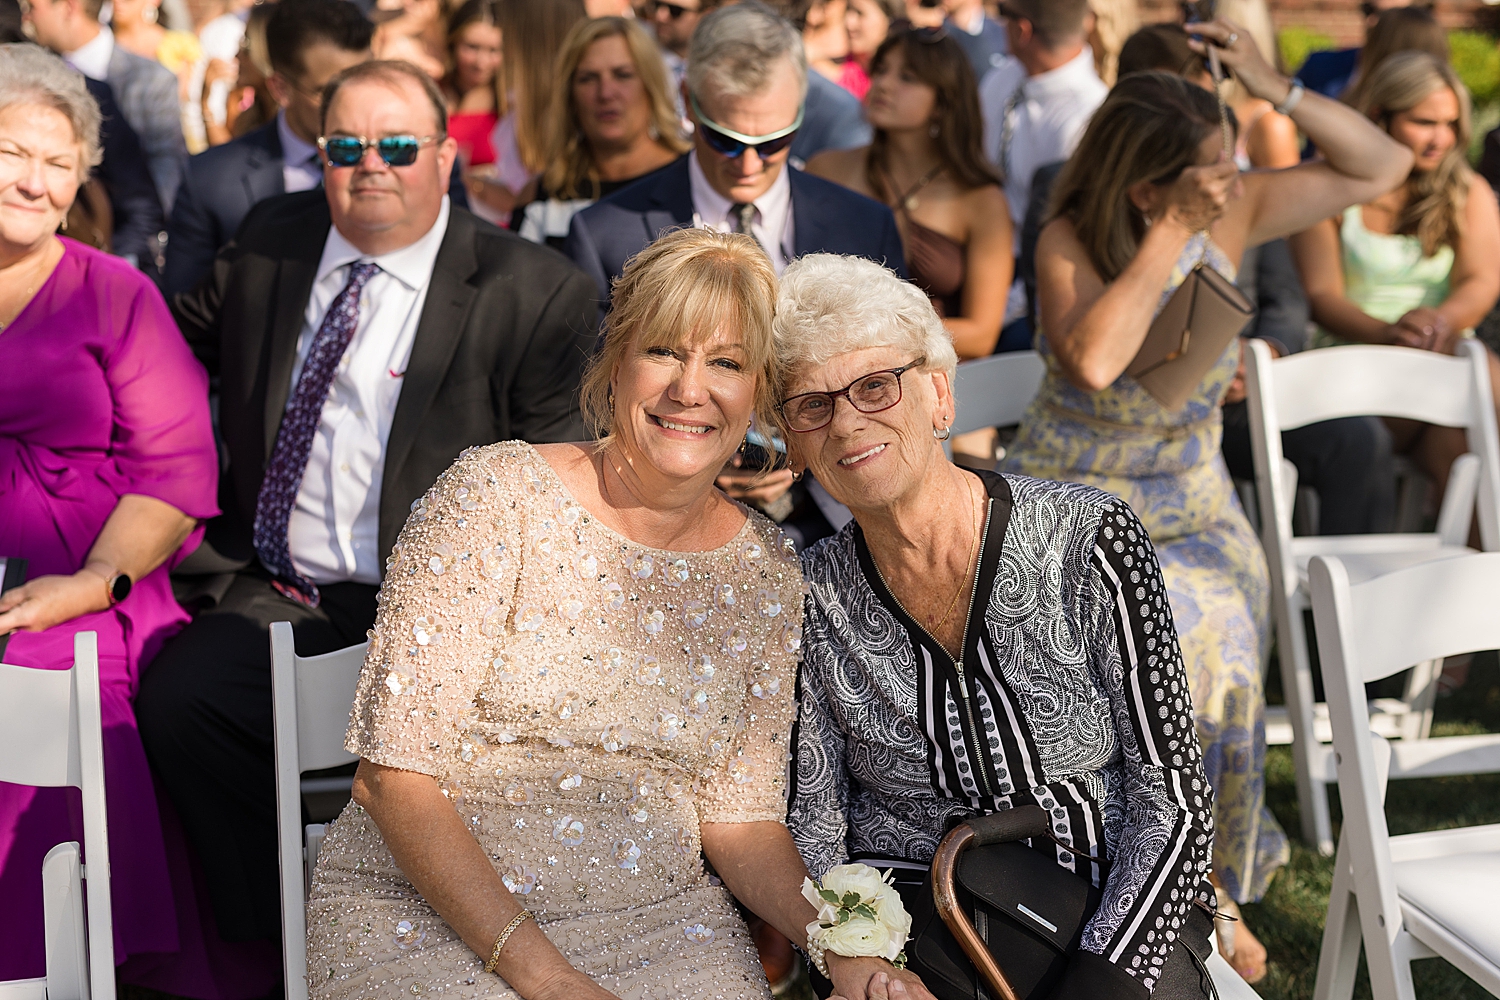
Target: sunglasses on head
925,35
674,11
728,142
395,150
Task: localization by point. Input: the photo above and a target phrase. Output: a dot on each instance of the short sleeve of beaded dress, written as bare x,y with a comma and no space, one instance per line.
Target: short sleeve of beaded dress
584,702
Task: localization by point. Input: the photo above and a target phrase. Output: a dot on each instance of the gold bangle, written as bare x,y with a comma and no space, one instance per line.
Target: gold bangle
516,921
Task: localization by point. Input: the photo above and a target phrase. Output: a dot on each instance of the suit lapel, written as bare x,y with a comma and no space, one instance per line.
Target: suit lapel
441,327
263,176
294,283
810,218
671,201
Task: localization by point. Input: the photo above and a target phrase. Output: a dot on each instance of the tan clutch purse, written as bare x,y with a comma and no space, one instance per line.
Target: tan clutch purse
1189,336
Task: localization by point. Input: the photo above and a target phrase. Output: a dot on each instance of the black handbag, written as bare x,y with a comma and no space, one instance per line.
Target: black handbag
998,920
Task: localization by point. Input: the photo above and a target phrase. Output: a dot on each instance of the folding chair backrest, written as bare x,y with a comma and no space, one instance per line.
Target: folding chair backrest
51,736
312,697
1368,380
39,743
995,391
1424,612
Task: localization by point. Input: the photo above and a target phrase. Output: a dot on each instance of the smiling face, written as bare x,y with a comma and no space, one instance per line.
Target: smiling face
871,460
476,55
897,99
41,161
1430,129
867,25
746,177
378,207
682,411
609,97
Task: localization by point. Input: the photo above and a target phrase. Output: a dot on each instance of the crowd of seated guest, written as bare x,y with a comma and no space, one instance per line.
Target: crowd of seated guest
230,381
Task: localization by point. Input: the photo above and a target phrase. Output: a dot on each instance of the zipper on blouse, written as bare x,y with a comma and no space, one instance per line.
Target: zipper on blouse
971,735
958,664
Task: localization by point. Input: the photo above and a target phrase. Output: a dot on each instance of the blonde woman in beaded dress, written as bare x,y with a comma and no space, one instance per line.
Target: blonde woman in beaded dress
1123,237
580,685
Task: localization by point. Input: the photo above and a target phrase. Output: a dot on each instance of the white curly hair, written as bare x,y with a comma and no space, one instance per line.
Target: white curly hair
830,304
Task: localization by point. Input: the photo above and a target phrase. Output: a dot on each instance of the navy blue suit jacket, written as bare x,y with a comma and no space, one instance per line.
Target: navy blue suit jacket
826,218
219,187
127,180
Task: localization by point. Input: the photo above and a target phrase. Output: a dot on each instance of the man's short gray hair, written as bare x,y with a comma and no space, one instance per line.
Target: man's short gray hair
29,74
829,305
738,48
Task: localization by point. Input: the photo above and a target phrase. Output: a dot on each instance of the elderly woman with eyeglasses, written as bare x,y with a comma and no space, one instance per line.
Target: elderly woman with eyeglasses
977,642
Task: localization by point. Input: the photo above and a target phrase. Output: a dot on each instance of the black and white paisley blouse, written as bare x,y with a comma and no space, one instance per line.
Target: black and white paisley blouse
1070,694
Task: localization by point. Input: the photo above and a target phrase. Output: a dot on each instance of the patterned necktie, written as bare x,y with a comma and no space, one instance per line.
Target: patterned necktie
278,490
741,216
1008,129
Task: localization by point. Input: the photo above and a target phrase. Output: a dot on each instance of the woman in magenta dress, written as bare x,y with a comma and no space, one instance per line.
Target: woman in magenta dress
107,469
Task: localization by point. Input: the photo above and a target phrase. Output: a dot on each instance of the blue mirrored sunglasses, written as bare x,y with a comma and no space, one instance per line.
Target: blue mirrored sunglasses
728,142
396,150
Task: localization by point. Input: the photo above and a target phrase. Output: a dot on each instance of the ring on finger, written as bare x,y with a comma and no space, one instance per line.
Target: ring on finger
1234,36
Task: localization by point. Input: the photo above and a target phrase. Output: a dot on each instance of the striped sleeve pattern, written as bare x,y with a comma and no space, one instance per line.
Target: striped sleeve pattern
1162,856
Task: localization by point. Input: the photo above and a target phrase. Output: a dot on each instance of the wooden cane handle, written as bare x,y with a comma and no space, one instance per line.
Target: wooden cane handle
944,872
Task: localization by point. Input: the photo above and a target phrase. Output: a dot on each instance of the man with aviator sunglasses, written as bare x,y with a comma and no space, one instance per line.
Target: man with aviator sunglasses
745,91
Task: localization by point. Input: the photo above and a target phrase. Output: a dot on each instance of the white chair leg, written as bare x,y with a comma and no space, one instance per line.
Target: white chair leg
1421,694
1296,681
1338,960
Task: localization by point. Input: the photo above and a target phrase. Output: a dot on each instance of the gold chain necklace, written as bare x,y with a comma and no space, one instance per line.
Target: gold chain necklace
968,561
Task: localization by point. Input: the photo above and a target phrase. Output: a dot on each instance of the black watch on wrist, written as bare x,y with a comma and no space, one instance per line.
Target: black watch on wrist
118,587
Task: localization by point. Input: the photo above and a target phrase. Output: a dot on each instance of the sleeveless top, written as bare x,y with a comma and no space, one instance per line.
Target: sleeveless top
937,265
1387,275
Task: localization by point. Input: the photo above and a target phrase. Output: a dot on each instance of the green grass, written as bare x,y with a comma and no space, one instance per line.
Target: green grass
1290,919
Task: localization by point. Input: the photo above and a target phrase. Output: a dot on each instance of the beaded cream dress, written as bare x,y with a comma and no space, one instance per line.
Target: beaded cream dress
585,703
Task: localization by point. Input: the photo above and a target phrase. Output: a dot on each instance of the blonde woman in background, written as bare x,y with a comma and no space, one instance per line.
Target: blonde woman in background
1414,267
613,121
531,36
1114,21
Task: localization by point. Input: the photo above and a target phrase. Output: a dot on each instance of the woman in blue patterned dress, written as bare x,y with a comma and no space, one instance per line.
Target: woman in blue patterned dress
1147,196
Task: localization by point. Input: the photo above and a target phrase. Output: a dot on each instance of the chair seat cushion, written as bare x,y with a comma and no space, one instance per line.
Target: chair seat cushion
1458,892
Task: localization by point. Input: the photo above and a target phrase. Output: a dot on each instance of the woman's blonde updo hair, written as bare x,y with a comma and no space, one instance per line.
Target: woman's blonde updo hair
1434,211
680,291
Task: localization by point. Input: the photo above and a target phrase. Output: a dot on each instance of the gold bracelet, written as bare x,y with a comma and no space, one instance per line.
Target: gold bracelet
516,921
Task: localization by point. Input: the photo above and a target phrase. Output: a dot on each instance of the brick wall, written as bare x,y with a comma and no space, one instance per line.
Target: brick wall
1338,18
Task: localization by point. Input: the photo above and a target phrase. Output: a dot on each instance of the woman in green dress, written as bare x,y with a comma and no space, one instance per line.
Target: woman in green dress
1415,266
1148,195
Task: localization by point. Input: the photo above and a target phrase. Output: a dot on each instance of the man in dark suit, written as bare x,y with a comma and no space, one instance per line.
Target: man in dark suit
745,86
138,220
363,334
144,89
309,43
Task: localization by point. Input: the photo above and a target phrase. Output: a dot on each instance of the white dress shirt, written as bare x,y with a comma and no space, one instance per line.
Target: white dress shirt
773,222
92,59
334,531
301,169
1047,114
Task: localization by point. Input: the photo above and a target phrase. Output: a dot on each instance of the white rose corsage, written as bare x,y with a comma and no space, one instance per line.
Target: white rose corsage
859,915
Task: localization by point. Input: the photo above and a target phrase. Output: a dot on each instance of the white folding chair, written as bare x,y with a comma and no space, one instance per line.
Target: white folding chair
1424,894
51,737
312,697
1360,381
995,391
